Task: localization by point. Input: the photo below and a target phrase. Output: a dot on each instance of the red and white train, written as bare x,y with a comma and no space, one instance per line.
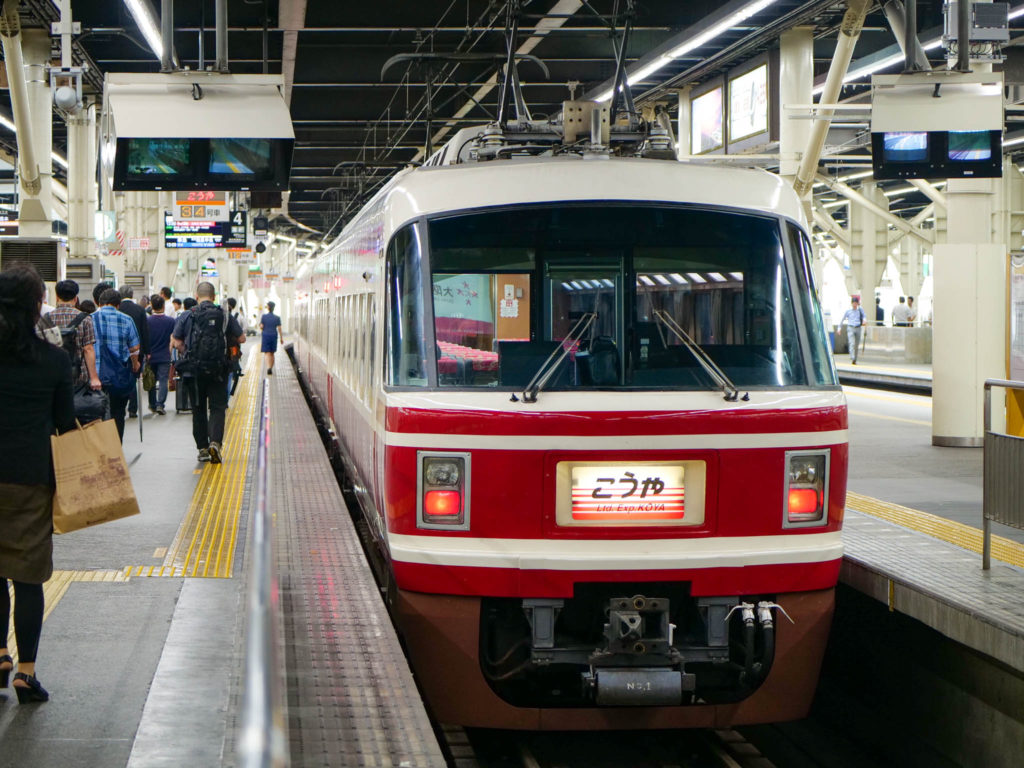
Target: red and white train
589,412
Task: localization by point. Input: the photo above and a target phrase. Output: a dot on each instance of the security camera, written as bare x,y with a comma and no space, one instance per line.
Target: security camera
66,98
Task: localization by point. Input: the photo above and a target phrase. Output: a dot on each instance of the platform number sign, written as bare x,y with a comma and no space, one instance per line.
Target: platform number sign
237,235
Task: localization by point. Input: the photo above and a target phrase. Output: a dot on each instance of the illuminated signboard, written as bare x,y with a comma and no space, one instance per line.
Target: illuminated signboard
748,104
205,233
706,122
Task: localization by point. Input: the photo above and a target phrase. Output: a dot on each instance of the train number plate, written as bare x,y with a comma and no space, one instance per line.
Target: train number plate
628,493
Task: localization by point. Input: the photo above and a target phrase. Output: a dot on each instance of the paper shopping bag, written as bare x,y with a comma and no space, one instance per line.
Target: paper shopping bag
93,484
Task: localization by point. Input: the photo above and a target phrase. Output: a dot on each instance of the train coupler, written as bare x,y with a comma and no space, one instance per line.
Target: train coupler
638,686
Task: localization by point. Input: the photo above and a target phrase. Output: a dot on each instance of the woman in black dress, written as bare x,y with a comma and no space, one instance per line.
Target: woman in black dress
35,400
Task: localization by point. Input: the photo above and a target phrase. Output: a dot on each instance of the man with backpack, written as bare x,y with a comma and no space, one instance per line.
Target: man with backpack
77,336
203,338
117,347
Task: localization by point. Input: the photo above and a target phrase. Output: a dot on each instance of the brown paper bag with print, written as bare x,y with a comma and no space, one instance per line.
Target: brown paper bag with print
93,484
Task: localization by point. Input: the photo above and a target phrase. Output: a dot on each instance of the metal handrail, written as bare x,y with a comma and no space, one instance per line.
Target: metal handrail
1001,452
263,733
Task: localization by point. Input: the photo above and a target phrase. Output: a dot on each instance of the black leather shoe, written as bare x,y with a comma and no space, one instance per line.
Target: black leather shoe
33,692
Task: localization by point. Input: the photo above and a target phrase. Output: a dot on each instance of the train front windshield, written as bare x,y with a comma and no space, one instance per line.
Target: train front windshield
619,295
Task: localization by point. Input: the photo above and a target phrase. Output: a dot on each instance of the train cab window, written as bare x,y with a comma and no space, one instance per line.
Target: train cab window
821,359
407,357
612,296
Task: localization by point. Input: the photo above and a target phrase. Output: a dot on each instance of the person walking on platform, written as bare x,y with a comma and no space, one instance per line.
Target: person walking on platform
879,312
98,292
203,338
117,343
67,316
35,400
160,329
912,310
138,316
270,324
169,308
854,322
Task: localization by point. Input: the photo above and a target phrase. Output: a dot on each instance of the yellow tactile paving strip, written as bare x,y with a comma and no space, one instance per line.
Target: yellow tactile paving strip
204,546
961,535
54,589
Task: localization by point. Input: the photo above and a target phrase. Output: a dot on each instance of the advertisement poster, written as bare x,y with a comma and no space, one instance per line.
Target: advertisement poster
706,122
748,104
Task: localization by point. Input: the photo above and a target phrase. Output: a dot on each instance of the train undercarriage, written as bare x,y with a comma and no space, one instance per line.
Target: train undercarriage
620,645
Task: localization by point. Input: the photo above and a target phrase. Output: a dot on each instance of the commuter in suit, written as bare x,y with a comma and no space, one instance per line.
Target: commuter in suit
138,316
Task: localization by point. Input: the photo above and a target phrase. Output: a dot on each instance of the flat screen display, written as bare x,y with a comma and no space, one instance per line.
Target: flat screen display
163,157
240,157
748,104
969,146
905,147
706,122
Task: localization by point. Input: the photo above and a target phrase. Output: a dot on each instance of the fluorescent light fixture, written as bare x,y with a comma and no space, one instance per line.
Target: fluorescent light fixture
1013,142
679,278
836,204
143,15
59,160
607,283
1016,12
857,73
287,239
566,286
662,279
695,277
718,277
646,280
736,276
693,43
576,285
855,176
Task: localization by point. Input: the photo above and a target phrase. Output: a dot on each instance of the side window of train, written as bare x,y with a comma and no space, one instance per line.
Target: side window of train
821,360
406,350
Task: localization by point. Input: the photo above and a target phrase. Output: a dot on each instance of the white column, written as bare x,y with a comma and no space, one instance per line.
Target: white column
82,183
869,237
796,83
36,212
683,127
969,325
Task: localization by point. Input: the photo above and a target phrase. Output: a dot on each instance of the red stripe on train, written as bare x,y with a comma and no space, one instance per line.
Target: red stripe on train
510,582
597,423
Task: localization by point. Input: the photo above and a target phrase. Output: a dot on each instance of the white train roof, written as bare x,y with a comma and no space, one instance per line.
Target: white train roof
431,190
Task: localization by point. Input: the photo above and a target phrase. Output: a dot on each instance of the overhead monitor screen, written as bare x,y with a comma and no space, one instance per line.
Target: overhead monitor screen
748,104
969,146
905,147
164,157
706,122
242,157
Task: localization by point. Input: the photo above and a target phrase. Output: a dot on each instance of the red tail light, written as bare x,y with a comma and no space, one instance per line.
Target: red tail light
442,503
803,503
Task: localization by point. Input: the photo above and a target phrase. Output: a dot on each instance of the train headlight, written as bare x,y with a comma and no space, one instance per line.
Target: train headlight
442,481
805,502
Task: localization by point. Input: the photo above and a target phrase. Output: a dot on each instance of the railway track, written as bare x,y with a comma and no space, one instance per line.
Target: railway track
478,748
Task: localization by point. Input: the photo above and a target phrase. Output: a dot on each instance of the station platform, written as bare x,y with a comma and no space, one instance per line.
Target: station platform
143,637
907,377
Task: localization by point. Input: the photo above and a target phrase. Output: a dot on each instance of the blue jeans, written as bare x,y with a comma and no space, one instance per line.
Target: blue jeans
158,394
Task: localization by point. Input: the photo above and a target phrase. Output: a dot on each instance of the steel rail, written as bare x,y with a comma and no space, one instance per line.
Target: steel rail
263,734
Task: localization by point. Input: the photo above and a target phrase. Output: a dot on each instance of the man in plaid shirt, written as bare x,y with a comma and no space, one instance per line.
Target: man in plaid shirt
65,313
116,331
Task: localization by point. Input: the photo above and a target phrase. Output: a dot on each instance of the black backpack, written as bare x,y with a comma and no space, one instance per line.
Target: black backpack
69,342
207,353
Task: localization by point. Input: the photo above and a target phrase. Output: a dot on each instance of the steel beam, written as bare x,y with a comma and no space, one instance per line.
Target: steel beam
856,197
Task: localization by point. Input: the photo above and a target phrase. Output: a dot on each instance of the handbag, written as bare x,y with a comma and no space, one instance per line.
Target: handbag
148,378
91,405
93,484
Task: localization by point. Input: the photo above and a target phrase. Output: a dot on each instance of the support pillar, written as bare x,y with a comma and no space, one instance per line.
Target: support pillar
36,211
969,326
869,237
796,85
683,127
82,183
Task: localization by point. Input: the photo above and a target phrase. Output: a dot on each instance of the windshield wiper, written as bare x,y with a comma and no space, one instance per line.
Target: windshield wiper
547,370
710,368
